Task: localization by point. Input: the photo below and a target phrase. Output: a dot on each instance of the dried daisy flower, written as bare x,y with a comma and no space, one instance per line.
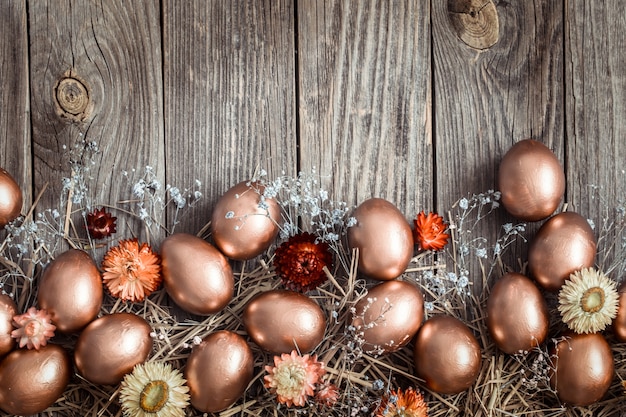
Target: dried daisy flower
100,224
398,403
300,262
131,271
33,328
293,377
327,394
430,231
154,389
588,301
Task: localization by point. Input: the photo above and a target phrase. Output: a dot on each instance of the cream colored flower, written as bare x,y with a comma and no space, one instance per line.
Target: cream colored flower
154,389
293,378
588,301
33,329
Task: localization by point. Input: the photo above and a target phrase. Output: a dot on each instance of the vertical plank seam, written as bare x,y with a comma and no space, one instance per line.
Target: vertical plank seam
296,70
433,125
28,89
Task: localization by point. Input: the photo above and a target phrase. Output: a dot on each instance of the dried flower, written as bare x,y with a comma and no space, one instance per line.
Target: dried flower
398,403
429,231
588,301
131,272
33,328
293,377
300,262
327,394
154,389
100,224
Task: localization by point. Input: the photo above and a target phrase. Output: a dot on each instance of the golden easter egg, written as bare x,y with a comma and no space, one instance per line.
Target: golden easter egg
8,309
10,198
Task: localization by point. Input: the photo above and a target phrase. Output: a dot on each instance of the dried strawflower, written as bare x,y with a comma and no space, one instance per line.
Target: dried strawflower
327,394
154,389
300,262
293,378
398,403
588,301
430,231
100,224
131,271
33,328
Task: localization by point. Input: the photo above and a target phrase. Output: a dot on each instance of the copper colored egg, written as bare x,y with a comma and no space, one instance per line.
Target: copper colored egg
111,346
447,355
389,316
218,371
243,224
196,275
517,314
383,237
8,310
564,244
71,291
10,198
32,380
619,323
280,321
531,180
584,369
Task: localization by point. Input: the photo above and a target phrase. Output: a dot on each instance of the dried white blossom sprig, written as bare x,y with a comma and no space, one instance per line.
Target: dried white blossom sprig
80,157
610,228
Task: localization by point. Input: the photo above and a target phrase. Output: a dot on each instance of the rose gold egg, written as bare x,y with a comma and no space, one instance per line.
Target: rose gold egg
8,310
531,180
111,346
584,369
517,314
32,380
243,225
619,323
389,316
71,291
564,244
383,237
196,275
280,321
10,198
218,371
447,355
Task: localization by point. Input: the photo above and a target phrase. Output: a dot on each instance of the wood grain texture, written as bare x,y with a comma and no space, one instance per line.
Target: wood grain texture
115,52
229,94
15,149
364,100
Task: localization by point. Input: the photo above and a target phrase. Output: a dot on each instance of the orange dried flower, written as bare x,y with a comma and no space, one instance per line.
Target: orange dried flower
131,271
33,328
398,403
293,377
430,231
100,224
300,262
327,394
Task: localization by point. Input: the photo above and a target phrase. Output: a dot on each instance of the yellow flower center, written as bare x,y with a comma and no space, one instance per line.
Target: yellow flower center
592,300
154,396
290,380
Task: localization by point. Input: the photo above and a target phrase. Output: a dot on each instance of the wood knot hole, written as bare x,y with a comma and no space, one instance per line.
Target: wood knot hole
475,22
72,97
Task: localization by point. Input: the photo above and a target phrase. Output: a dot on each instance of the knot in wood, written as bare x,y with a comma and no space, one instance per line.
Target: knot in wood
475,22
72,98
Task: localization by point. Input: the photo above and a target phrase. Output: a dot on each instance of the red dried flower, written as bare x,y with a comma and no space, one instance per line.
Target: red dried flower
300,262
398,403
33,328
430,231
131,272
100,224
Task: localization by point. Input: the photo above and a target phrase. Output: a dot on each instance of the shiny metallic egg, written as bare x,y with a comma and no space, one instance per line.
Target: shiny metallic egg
383,237
195,274
389,315
280,321
517,314
244,224
110,347
447,355
8,310
71,290
218,371
531,180
565,243
10,198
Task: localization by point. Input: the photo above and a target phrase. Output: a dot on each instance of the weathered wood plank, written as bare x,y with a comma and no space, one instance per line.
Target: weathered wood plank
488,99
15,150
229,94
364,99
102,62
